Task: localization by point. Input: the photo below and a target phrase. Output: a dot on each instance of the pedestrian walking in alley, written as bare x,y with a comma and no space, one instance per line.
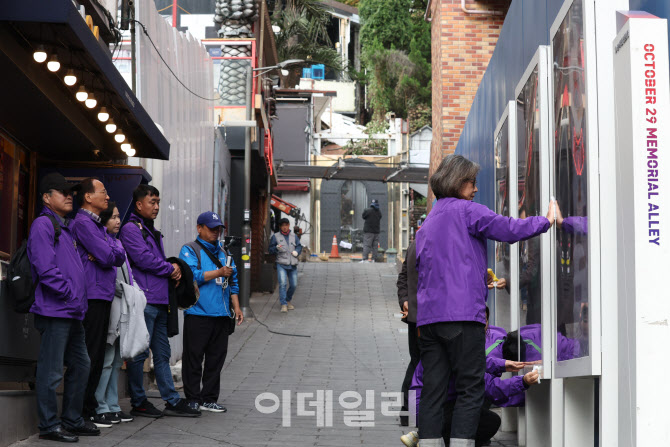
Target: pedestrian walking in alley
407,283
59,308
144,246
286,245
211,320
371,229
100,254
451,296
107,393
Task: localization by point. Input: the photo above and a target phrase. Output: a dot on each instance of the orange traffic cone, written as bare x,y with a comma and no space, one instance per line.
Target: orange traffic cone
334,252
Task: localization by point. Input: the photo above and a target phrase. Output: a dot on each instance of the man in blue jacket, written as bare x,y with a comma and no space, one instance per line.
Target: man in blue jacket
59,308
211,320
144,246
100,254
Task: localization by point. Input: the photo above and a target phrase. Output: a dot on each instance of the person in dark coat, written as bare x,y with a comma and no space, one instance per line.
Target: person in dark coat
407,284
371,229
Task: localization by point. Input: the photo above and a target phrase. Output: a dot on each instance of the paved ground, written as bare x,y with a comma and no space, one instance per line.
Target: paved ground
354,344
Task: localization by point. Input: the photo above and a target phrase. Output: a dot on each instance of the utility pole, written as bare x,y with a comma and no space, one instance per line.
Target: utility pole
245,291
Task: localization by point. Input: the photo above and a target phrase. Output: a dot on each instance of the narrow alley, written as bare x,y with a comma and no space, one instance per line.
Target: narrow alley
352,341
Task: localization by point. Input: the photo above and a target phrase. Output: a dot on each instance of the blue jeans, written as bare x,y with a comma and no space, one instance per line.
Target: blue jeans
107,393
62,345
287,273
156,319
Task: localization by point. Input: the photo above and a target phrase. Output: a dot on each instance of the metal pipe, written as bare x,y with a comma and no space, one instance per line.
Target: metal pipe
133,48
245,289
425,15
483,12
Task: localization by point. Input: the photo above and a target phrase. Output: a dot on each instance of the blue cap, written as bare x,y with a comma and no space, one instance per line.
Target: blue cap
211,219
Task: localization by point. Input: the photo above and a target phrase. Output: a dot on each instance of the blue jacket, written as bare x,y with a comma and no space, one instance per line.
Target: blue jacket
92,238
58,272
147,259
214,300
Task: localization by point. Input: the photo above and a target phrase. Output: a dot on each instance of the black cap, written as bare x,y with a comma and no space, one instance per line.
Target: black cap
58,182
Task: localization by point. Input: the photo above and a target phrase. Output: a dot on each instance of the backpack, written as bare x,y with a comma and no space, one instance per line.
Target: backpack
20,284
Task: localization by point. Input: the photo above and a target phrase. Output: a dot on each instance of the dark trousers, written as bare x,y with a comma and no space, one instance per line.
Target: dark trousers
488,426
458,349
61,345
204,337
96,324
414,357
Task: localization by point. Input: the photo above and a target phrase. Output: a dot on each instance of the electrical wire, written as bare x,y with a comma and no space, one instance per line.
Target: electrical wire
275,332
146,33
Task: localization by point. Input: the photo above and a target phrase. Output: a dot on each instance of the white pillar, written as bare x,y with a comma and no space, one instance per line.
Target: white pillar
642,126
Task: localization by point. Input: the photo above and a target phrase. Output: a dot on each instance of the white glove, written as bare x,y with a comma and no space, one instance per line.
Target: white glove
294,253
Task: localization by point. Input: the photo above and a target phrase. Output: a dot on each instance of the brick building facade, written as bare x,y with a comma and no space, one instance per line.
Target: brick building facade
461,45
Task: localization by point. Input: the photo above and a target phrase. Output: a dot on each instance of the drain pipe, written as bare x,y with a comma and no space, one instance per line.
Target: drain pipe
425,15
484,12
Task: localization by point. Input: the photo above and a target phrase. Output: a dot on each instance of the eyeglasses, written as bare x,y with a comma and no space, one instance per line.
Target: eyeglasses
104,192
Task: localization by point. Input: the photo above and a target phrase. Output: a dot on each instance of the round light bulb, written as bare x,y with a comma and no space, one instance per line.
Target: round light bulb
131,152
40,55
110,127
119,137
70,78
103,115
81,94
53,65
91,101
125,147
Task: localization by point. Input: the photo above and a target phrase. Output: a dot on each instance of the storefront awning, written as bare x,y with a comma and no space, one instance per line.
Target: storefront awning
344,170
40,111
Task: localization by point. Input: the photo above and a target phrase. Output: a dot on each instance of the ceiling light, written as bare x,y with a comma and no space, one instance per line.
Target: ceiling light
81,94
40,55
103,115
91,101
70,78
125,147
110,127
119,137
53,64
131,152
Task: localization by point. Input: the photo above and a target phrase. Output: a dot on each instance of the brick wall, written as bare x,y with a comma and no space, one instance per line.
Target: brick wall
461,45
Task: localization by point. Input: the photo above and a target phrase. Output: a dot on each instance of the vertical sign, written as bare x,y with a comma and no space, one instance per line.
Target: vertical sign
642,103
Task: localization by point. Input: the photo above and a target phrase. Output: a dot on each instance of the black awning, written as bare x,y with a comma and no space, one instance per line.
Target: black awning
346,170
41,112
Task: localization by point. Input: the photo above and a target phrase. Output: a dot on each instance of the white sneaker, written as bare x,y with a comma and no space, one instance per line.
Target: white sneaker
411,439
284,308
213,407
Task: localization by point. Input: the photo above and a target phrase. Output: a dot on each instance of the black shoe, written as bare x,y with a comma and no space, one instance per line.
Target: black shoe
123,417
181,409
113,418
60,435
88,429
147,410
101,421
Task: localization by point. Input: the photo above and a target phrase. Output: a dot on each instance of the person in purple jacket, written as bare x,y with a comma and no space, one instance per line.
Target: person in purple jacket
451,297
144,246
100,254
59,308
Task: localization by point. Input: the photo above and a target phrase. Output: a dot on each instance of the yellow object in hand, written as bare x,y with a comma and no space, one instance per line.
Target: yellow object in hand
492,275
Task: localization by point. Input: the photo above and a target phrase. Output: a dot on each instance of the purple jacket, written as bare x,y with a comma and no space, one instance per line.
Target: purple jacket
531,336
495,363
576,225
147,259
58,272
92,238
451,258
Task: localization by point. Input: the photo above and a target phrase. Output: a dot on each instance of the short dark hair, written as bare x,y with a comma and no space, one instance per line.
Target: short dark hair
510,348
87,187
453,172
283,221
142,191
107,214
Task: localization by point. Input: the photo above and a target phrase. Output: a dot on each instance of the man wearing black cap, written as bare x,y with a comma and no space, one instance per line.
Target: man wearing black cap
211,320
59,308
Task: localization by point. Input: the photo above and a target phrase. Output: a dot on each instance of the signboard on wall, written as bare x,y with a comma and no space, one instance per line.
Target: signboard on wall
642,113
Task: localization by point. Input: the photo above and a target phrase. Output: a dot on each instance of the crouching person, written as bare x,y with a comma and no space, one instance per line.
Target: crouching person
144,247
211,320
59,308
